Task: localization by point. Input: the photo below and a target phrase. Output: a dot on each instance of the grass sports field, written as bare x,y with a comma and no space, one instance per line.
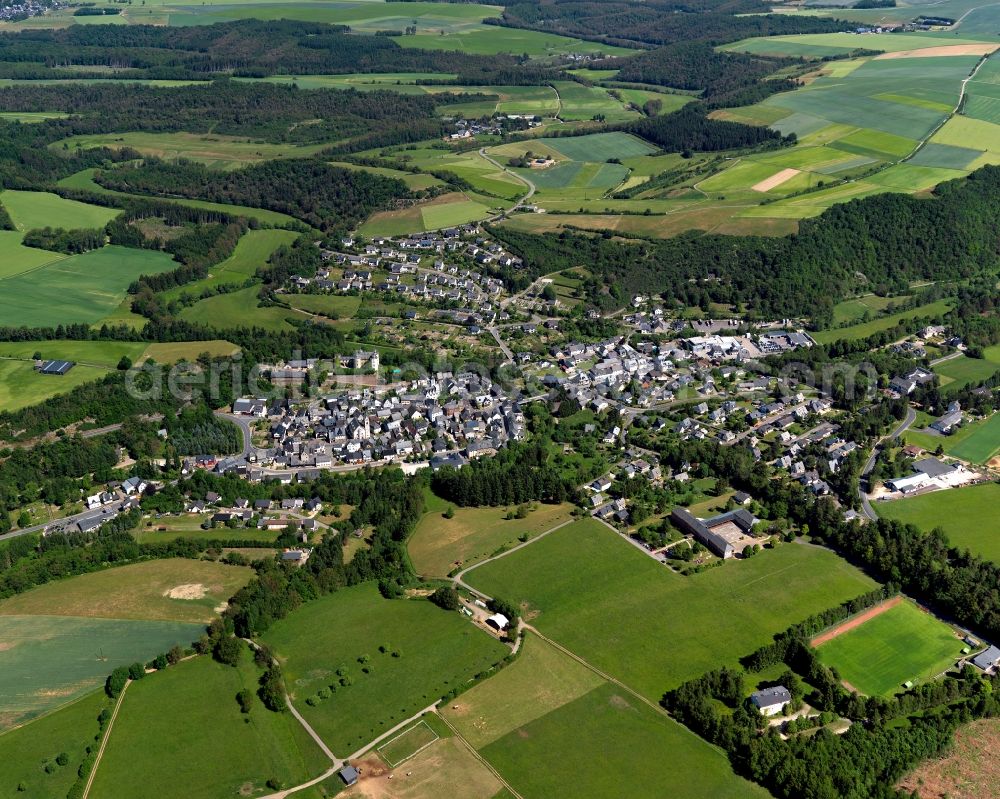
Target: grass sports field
439,545
585,577
547,721
49,660
26,751
180,732
178,589
900,644
967,516
437,650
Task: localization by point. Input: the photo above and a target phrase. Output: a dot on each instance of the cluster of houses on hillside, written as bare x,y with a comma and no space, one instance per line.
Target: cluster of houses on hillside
442,268
447,419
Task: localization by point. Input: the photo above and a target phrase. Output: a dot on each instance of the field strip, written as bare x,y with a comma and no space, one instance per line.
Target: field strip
104,741
855,621
776,179
945,50
480,758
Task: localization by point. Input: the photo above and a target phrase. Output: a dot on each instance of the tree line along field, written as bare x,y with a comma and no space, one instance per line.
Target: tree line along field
343,632
548,721
967,516
901,644
659,628
864,329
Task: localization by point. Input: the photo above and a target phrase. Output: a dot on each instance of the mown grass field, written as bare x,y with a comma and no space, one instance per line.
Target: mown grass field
865,329
438,650
180,732
585,577
77,289
902,643
177,589
26,751
975,441
171,352
959,372
37,209
50,660
239,309
967,516
251,253
547,721
439,545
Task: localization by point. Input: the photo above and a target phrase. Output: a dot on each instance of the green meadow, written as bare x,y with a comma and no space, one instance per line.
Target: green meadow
585,577
239,309
78,288
333,640
549,709
865,329
967,516
251,253
28,753
49,660
180,732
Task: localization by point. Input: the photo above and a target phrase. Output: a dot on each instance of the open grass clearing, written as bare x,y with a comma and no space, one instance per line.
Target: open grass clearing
960,372
408,743
239,309
967,516
46,661
37,209
176,589
439,545
174,351
585,576
438,650
215,150
865,329
180,732
903,643
854,310
600,146
336,306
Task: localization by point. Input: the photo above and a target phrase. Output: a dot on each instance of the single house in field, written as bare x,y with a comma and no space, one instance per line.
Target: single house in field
771,701
349,775
55,367
498,622
987,659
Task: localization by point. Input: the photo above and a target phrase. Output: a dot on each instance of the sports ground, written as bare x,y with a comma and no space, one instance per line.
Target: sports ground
895,644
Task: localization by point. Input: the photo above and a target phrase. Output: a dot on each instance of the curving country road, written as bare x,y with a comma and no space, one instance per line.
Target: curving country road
866,506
